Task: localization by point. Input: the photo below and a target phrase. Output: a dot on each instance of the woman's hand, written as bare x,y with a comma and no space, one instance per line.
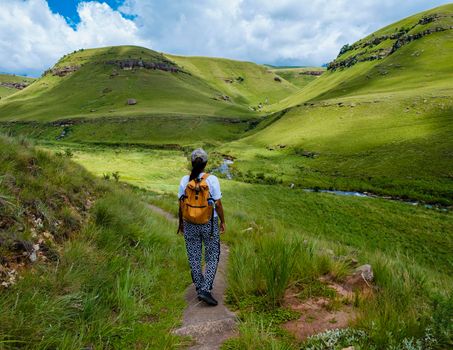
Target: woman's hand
222,227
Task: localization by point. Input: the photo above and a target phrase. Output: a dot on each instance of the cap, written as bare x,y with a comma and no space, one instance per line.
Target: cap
200,153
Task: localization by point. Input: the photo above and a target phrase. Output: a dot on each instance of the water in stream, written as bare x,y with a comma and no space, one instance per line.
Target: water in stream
224,169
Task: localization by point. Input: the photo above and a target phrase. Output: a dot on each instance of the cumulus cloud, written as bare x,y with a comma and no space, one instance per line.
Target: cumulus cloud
32,38
306,32
266,31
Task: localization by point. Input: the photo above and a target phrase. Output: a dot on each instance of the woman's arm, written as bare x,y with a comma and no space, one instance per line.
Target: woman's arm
219,209
180,225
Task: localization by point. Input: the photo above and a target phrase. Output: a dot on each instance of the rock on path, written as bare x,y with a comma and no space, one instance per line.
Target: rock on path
208,326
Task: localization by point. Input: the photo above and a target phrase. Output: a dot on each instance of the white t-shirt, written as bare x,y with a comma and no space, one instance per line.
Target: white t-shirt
213,184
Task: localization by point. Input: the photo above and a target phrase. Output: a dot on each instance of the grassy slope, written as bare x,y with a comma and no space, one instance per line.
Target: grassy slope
173,108
104,282
154,131
258,83
421,62
9,78
296,76
386,133
83,94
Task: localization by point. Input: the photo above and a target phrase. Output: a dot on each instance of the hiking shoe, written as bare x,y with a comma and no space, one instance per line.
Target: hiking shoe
207,298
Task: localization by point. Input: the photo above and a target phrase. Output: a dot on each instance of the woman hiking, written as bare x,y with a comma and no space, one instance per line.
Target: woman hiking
200,207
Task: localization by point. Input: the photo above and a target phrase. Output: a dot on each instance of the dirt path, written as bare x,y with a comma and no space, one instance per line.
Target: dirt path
208,326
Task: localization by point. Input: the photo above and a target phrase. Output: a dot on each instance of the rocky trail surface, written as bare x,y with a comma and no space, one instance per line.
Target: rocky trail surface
208,326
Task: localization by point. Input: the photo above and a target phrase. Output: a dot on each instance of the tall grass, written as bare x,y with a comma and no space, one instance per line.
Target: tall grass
110,289
120,272
405,308
262,266
277,259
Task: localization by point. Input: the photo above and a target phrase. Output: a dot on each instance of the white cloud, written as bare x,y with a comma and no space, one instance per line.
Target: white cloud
32,38
265,31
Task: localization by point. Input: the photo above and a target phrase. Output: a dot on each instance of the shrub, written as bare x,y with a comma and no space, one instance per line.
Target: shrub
116,176
68,153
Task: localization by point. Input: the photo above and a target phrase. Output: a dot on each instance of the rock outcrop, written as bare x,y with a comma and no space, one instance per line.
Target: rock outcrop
62,71
132,63
400,38
18,86
312,72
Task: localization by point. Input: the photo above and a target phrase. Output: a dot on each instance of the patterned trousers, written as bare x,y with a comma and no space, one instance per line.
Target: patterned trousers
196,235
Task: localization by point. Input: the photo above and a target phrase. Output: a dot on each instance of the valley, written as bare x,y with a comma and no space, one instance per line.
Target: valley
105,132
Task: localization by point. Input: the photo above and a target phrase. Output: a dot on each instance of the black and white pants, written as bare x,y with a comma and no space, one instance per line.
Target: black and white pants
196,235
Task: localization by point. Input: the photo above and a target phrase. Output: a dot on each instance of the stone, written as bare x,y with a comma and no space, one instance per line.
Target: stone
366,272
131,101
349,348
361,278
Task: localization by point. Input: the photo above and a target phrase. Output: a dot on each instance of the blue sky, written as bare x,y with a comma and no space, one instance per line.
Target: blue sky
68,8
34,34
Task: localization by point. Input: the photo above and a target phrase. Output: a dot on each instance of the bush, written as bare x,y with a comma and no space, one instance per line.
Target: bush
116,176
68,153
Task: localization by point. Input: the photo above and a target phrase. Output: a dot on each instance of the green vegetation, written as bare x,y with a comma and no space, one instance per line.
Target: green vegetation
379,124
391,147
98,89
6,81
101,276
396,74
395,238
98,82
247,82
160,131
299,76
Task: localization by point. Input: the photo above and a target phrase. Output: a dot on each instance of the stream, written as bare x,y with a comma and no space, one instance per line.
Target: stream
225,170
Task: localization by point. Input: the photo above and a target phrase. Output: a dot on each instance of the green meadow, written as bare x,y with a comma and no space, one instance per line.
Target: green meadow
401,240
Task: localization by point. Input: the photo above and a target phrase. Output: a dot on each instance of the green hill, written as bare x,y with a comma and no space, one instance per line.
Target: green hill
9,84
99,82
246,82
176,100
411,54
381,125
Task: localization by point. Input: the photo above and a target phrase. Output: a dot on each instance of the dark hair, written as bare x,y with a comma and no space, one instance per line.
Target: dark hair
197,167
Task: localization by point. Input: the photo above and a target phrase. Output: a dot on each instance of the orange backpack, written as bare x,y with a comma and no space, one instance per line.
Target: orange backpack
196,203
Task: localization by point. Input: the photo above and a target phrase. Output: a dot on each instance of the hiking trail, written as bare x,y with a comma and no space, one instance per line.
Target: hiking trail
208,326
